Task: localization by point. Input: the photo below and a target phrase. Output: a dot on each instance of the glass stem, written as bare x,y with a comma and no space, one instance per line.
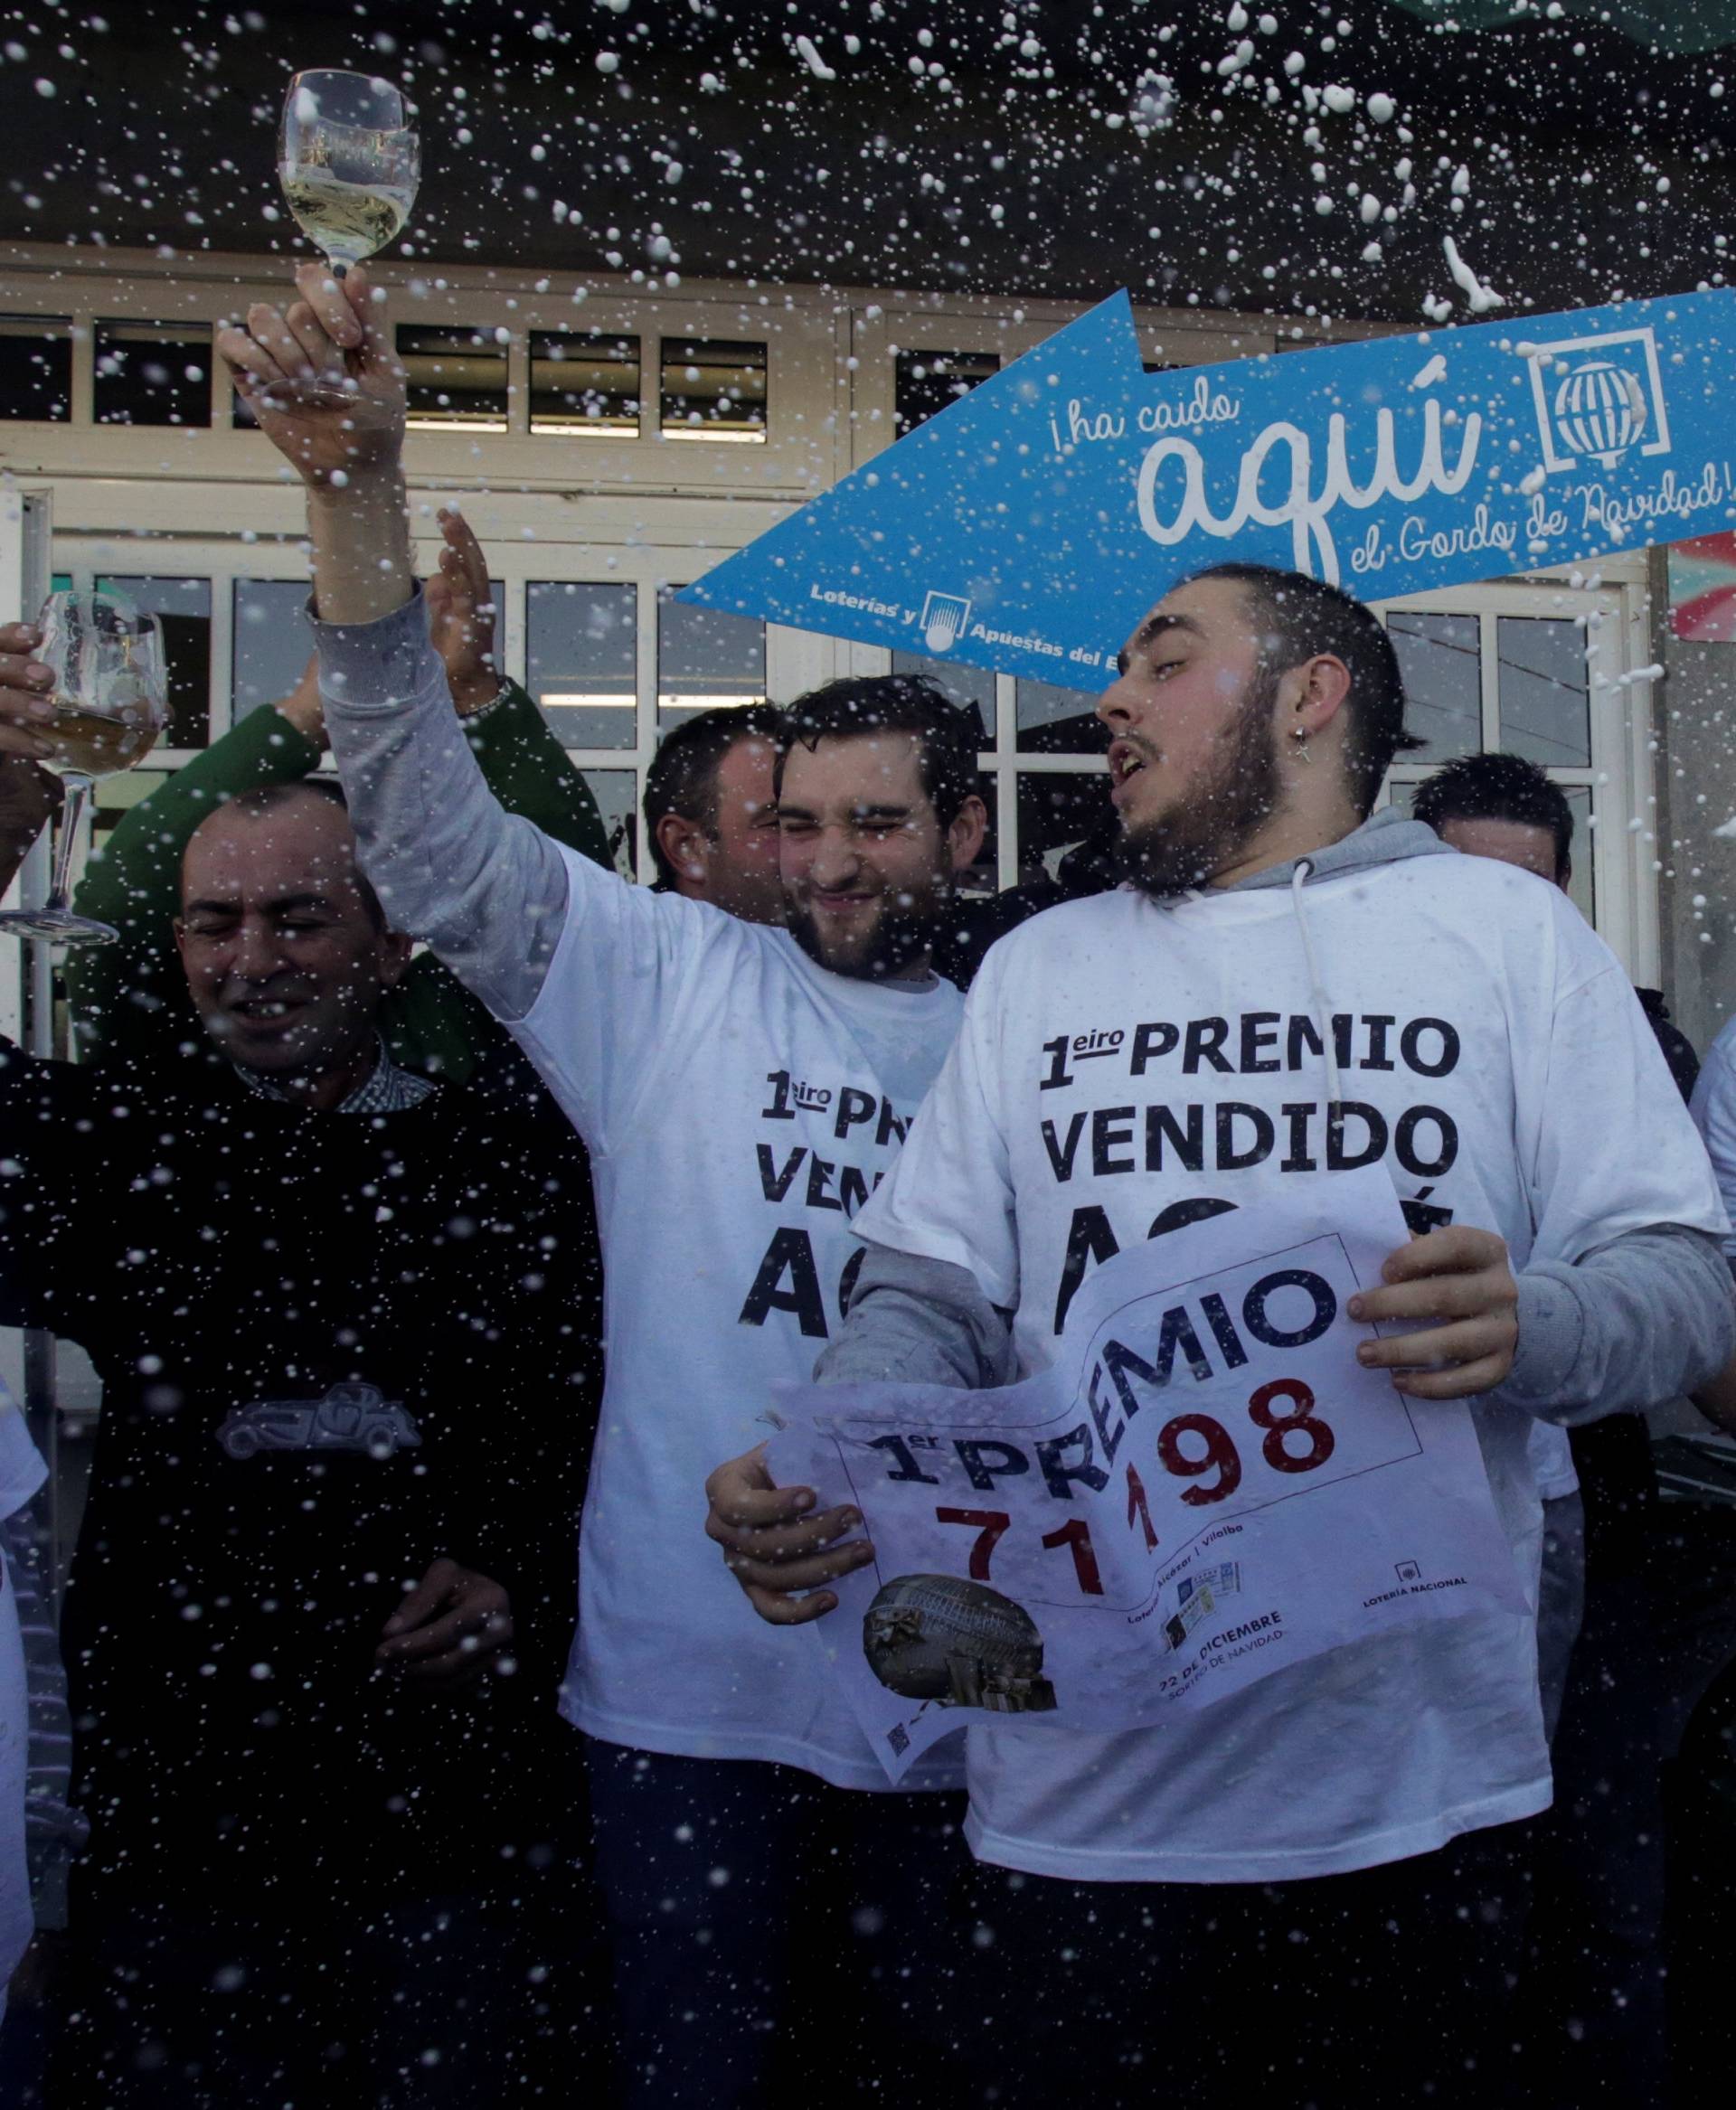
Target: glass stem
339,268
78,797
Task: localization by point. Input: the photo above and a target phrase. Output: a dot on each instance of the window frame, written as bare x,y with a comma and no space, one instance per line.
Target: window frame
215,505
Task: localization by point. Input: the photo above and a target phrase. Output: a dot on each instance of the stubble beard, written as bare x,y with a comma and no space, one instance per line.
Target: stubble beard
901,937
1198,837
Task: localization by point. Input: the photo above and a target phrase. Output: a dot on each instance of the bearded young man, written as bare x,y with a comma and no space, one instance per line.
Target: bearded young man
1275,1899
741,1089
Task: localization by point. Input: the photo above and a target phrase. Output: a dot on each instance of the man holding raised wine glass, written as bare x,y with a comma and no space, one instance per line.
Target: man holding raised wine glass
740,1086
345,1321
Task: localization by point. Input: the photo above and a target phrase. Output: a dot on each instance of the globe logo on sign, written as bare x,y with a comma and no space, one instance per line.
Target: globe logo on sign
1598,399
1600,410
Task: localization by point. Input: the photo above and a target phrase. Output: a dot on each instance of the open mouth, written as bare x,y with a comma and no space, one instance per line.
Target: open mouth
1126,760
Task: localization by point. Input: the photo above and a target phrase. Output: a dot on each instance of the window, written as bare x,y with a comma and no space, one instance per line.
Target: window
584,385
714,388
1441,659
581,661
153,374
458,377
927,382
1058,722
1582,886
1513,669
36,367
1056,813
183,607
616,793
272,641
704,658
972,688
1544,694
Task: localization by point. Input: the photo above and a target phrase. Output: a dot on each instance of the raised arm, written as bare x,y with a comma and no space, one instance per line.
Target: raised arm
130,1000
524,766
487,890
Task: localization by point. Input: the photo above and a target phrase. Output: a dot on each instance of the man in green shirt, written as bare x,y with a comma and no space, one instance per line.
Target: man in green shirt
129,1001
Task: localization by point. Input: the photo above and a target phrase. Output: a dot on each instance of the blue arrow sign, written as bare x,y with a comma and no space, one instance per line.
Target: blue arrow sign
1031,525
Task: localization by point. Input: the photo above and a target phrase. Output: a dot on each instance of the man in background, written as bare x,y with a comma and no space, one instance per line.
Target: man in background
1505,806
711,815
1598,1925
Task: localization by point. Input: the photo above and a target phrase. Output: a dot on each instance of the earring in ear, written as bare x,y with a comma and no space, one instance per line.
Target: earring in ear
1303,751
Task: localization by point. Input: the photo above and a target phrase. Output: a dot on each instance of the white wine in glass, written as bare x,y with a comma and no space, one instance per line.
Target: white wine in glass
349,162
111,699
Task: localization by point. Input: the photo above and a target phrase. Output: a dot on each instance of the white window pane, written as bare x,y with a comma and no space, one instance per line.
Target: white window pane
616,793
580,661
1056,813
272,641
1545,697
1058,722
1442,659
972,688
1581,886
705,658
183,607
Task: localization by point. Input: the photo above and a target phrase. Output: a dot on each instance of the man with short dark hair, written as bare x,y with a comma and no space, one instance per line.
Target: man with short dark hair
1503,807
846,926
1294,988
711,815
345,1321
741,1089
1599,1929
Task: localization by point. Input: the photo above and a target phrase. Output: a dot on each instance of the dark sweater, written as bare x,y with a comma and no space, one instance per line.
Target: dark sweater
227,1261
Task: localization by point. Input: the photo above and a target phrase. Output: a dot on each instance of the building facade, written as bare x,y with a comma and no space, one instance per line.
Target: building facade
611,440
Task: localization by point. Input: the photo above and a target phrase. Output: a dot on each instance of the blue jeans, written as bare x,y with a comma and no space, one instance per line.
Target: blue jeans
745,1902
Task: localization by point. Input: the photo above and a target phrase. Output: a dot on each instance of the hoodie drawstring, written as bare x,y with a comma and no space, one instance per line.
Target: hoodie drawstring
1322,1010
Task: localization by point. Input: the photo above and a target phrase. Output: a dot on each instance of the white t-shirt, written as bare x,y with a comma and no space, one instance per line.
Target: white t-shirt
1552,1462
1713,1107
1118,1063
22,1473
740,1103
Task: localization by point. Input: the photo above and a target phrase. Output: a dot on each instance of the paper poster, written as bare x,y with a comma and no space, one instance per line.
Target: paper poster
1205,1486
1031,525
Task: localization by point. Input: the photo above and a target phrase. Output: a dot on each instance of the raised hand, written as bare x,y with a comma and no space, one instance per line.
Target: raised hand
461,616
323,377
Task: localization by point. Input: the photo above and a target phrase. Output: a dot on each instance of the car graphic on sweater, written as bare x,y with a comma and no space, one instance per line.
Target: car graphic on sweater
349,1417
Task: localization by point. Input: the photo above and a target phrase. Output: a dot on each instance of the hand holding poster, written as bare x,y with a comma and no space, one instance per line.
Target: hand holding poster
1204,1486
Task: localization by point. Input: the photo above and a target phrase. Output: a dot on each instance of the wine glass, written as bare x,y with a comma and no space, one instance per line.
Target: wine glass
349,161
110,695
